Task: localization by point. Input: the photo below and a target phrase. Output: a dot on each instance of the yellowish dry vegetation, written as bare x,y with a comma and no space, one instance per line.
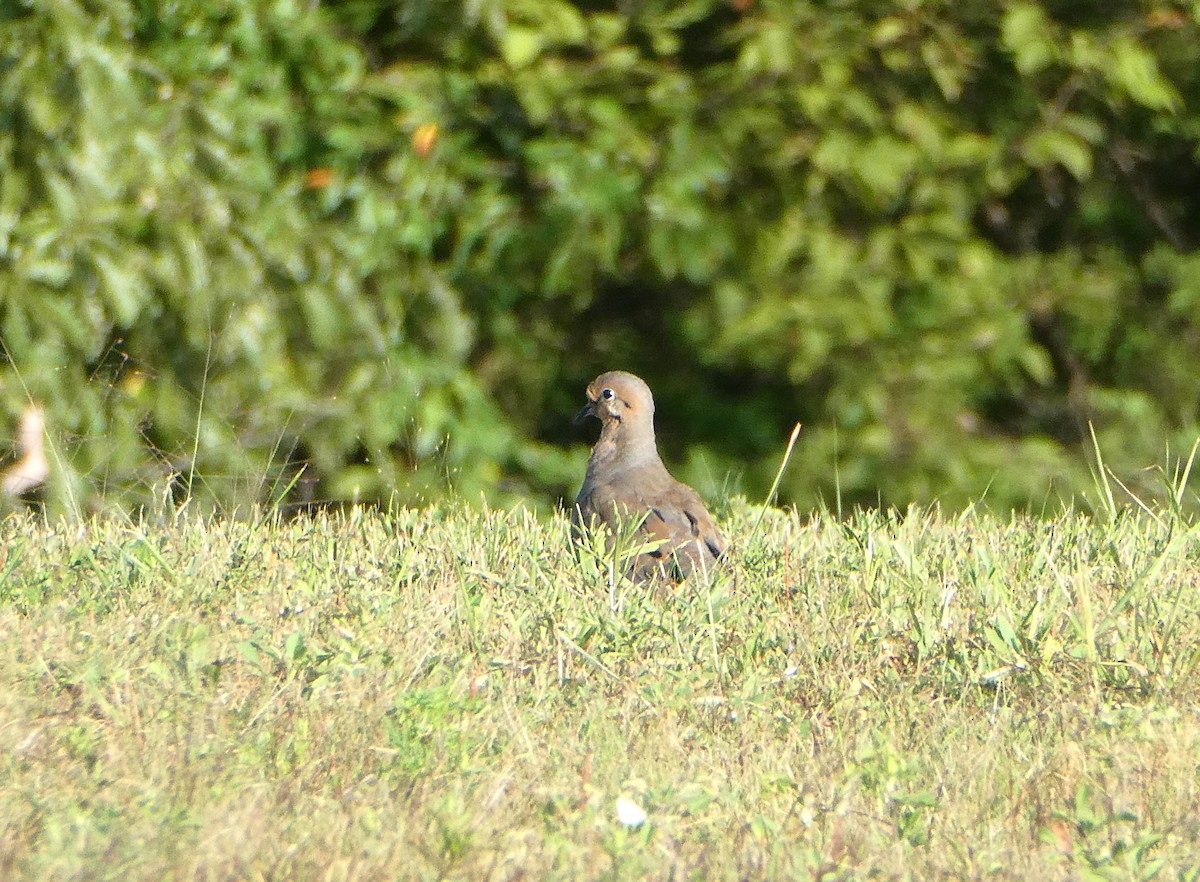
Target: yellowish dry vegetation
453,695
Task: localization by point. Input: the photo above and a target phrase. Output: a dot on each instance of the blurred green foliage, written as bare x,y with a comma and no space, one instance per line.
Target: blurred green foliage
391,242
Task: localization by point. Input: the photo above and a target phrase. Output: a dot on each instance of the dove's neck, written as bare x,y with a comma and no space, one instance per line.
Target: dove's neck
624,445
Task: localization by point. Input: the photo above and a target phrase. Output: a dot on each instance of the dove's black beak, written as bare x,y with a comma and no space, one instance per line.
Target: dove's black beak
586,412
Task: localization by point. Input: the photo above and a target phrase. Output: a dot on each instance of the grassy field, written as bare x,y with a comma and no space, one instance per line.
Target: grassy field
452,695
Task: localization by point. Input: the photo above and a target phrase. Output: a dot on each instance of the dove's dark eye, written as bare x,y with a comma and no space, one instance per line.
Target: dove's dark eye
607,394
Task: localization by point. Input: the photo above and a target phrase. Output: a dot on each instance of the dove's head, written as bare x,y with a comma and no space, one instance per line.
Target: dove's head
618,397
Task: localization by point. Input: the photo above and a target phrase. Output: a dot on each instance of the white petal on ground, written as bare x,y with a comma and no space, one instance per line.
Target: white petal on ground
629,812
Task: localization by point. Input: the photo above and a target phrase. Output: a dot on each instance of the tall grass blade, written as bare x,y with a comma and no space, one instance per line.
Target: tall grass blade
787,455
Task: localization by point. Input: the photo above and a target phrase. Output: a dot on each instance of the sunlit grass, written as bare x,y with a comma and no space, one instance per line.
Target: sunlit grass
454,694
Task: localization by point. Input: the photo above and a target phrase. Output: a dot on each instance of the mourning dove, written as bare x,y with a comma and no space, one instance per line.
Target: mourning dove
627,480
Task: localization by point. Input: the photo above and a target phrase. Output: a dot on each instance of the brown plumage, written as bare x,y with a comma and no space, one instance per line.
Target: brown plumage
626,479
